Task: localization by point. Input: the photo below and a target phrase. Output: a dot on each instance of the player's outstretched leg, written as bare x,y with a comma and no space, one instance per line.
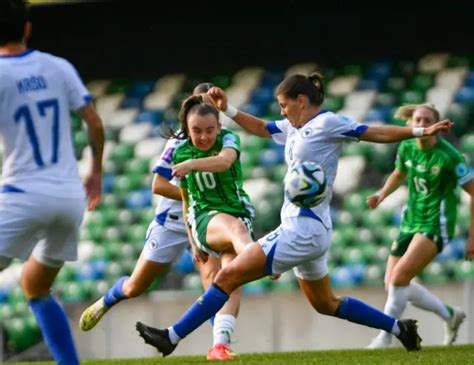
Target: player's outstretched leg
92,315
451,326
156,337
359,312
203,308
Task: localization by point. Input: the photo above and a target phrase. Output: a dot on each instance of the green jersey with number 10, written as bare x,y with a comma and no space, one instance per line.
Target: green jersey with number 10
433,177
222,191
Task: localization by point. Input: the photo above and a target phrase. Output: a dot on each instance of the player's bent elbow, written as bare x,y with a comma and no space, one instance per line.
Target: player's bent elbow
224,165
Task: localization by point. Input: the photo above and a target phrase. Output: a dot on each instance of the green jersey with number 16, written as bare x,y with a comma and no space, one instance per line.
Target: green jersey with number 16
433,176
222,191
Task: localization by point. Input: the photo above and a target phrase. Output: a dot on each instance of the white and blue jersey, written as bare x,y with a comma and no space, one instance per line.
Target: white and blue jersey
319,140
169,212
37,93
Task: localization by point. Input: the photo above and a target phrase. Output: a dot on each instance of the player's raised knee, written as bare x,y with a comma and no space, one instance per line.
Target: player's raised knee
228,278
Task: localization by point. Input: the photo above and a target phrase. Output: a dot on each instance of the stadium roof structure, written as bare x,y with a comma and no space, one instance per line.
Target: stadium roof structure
52,2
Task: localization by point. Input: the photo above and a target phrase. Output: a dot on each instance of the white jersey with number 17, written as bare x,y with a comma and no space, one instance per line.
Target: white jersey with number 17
37,93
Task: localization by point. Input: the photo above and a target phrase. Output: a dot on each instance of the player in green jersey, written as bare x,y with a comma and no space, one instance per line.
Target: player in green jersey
217,209
165,241
434,169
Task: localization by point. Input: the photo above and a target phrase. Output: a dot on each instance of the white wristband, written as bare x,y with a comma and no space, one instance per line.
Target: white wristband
231,111
418,132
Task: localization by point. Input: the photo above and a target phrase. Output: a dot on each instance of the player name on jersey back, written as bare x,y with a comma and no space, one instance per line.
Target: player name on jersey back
38,92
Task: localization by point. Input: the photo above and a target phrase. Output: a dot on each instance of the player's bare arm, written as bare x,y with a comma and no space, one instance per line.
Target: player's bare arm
219,163
393,182
95,131
248,122
162,186
389,134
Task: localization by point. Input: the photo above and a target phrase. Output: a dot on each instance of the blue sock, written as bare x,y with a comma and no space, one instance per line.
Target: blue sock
55,328
204,308
358,312
115,293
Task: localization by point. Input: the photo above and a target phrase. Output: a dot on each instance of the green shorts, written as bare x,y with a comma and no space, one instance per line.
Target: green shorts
199,229
400,245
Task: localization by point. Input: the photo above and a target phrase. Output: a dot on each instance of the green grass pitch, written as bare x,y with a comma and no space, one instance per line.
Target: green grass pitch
456,355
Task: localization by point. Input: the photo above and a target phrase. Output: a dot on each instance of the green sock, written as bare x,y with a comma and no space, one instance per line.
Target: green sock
450,310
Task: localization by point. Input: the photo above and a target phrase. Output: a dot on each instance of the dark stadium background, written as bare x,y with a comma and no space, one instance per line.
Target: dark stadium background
134,39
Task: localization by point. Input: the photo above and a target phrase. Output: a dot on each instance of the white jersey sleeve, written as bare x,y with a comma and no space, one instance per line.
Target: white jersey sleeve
279,130
169,212
77,94
164,165
341,128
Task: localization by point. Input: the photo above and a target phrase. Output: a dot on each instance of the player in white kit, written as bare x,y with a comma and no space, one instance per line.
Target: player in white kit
303,238
42,199
165,242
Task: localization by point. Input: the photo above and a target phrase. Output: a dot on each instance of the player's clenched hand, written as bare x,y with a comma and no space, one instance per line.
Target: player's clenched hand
182,169
373,201
93,188
443,125
219,97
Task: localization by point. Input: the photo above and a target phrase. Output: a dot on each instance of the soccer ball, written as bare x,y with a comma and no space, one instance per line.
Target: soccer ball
305,184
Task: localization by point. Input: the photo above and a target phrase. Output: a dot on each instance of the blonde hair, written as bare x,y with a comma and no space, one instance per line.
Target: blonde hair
406,111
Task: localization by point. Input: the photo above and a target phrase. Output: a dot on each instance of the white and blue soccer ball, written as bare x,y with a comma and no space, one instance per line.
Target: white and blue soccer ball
305,184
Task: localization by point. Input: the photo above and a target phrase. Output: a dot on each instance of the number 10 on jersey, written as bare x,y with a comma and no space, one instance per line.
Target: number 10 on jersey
205,180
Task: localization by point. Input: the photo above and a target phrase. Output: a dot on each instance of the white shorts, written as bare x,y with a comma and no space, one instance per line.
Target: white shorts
164,245
300,243
40,225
